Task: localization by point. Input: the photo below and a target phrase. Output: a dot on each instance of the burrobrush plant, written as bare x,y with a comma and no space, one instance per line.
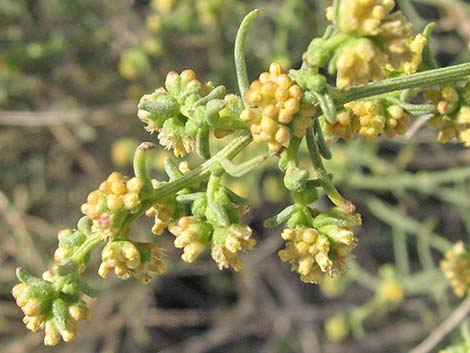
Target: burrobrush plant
384,75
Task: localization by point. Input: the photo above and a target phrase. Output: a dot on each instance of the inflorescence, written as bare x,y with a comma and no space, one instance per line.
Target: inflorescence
368,41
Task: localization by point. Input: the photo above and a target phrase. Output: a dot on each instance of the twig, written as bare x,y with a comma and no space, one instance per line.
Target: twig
443,329
97,115
417,124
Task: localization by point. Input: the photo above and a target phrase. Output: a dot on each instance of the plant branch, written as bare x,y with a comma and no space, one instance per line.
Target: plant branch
418,80
325,180
444,328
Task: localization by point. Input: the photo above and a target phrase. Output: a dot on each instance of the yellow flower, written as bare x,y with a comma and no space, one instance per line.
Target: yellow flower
34,319
276,109
453,113
179,145
397,121
359,62
313,254
128,259
120,256
191,235
122,151
369,119
116,196
228,243
346,125
162,211
385,42
363,17
336,328
151,261
154,23
390,290
37,305
456,268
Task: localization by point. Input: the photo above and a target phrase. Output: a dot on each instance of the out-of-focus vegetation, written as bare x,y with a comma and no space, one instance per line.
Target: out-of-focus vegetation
71,73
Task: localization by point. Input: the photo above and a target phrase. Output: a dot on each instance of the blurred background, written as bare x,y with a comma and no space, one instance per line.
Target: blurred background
71,74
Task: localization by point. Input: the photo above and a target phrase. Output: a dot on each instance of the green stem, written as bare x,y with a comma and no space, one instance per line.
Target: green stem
85,248
196,175
417,80
395,218
240,64
423,246
140,167
400,251
322,174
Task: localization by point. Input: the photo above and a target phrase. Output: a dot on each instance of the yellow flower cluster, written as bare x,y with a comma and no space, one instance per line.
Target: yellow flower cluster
125,259
452,120
359,63
369,119
180,145
184,89
456,268
31,307
191,235
76,314
276,109
37,319
153,262
115,196
162,212
363,17
120,256
313,254
405,54
385,42
336,328
236,238
390,290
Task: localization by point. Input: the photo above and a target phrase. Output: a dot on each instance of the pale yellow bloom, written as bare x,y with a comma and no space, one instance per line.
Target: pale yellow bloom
276,110
237,238
456,268
191,236
453,115
115,195
313,254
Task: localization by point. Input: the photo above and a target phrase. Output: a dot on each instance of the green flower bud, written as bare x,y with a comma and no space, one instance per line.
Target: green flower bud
199,207
316,83
211,113
297,218
295,178
318,53
306,197
160,103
